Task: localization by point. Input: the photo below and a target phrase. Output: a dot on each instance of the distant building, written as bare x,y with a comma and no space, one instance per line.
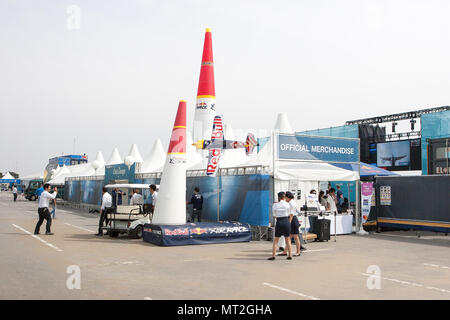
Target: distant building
64,160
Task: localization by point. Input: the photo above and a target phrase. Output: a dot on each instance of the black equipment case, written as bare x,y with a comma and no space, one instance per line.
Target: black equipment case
322,229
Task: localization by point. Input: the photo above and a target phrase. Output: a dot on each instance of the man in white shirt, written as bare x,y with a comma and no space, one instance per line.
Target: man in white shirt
331,201
154,196
43,211
14,191
136,198
106,205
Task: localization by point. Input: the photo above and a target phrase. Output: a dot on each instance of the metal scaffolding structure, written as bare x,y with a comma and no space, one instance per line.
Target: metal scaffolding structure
397,116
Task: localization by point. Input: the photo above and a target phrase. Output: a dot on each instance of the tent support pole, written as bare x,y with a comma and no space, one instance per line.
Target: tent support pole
218,194
357,206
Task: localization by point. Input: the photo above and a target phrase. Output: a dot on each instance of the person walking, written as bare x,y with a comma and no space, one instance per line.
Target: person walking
281,211
14,191
43,212
106,205
197,205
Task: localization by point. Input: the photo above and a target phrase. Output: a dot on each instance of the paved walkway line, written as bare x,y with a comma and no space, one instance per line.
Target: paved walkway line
435,266
407,283
290,291
37,238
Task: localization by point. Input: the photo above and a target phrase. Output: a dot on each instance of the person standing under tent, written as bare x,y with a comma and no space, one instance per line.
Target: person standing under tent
43,212
197,204
331,201
106,205
154,196
14,191
281,211
322,199
340,198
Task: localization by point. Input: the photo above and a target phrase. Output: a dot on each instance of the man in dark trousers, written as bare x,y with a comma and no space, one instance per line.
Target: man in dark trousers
197,203
43,211
105,208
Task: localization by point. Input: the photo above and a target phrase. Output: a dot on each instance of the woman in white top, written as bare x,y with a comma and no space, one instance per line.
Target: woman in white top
281,211
295,225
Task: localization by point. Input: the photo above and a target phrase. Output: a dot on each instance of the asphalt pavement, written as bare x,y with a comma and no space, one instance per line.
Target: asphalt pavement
75,264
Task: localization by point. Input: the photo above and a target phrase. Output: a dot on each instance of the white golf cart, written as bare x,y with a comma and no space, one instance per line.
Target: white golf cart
127,217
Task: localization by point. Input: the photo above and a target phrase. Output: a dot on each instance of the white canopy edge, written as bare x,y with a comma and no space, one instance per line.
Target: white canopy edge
130,186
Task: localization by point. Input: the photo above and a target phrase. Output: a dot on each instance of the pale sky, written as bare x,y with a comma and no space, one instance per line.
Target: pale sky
118,78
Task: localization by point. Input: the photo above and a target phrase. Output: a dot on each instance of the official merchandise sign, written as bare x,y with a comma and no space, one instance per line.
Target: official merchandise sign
297,147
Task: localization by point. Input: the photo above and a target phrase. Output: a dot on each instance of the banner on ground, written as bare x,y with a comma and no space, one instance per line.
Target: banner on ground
197,233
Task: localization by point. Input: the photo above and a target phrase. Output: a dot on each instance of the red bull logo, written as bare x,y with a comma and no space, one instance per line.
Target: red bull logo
202,105
213,162
198,231
217,129
176,232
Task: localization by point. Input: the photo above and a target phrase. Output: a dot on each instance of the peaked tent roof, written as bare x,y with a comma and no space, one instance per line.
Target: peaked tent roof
155,160
100,159
134,152
283,124
7,176
115,157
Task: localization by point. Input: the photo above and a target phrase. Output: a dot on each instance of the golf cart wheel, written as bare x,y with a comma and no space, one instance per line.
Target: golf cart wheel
113,234
137,232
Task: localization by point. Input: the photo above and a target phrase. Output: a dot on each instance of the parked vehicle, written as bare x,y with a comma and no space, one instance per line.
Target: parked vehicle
129,218
30,191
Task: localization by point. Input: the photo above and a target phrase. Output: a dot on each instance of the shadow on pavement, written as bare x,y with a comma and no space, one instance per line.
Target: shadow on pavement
411,237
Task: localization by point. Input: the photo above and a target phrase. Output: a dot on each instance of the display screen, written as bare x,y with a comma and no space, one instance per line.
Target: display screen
393,154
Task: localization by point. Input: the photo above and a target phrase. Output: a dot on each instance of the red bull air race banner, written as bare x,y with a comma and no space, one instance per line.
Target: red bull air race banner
197,233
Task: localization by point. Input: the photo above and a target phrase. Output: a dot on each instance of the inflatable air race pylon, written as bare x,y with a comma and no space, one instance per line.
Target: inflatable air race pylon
170,208
205,109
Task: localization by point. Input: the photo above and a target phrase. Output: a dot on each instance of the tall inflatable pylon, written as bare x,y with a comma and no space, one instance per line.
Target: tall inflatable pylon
170,208
205,109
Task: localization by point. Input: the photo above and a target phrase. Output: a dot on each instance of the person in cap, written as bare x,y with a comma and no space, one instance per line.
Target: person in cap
281,211
44,213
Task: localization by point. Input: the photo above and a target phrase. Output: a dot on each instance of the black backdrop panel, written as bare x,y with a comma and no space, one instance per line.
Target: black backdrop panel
425,198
